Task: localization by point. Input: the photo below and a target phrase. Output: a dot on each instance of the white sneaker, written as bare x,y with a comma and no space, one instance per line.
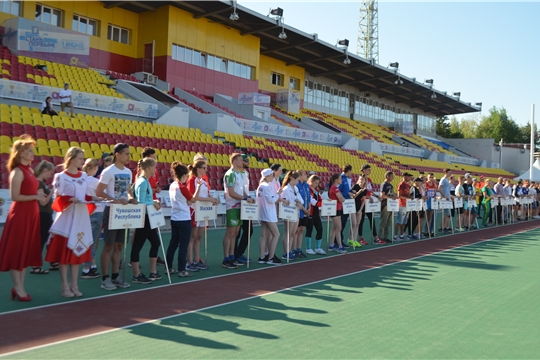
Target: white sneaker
320,252
310,252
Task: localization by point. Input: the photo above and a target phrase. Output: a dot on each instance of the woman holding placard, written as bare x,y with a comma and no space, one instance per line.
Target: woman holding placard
198,180
181,200
335,233
267,198
360,191
144,195
71,231
314,219
292,195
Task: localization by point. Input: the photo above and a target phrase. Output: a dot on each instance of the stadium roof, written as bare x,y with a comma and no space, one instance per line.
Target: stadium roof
317,57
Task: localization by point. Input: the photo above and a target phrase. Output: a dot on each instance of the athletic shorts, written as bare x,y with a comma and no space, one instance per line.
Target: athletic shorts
303,221
111,237
428,203
402,216
233,218
447,212
338,213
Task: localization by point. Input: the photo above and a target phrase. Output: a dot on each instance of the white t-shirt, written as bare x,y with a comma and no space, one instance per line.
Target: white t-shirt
92,184
63,93
179,197
267,198
292,194
117,181
240,184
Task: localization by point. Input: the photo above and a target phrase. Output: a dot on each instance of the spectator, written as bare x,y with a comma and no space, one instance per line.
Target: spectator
66,99
46,107
106,161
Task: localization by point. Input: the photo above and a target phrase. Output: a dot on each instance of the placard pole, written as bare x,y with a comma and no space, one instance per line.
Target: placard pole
451,219
288,239
327,233
434,223
126,232
372,236
353,240
206,241
164,255
393,231
249,242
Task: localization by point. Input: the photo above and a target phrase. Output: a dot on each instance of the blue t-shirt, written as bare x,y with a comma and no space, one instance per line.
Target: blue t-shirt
445,187
143,191
303,189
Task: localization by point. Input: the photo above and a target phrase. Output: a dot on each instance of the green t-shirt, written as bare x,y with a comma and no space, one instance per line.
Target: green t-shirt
488,191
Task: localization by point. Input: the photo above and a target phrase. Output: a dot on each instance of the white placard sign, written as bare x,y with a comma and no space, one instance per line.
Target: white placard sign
249,211
5,204
434,204
412,205
349,206
424,205
329,208
126,216
372,207
204,210
289,212
495,201
458,203
503,201
155,217
392,205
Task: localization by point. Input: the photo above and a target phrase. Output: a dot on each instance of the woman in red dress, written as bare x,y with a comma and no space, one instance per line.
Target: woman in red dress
20,245
71,233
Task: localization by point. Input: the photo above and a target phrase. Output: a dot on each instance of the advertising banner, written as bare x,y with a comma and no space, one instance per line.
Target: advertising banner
38,93
396,149
44,41
250,98
289,100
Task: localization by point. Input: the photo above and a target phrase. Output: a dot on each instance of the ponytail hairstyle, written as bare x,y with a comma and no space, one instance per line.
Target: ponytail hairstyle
178,170
199,164
25,141
42,166
144,164
334,178
71,154
89,164
290,175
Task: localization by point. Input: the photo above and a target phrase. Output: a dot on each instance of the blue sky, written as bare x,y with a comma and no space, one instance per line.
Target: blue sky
488,51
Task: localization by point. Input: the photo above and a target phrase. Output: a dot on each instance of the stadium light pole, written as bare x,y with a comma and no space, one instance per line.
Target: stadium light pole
533,147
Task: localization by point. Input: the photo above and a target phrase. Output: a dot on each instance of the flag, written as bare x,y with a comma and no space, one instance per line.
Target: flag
501,143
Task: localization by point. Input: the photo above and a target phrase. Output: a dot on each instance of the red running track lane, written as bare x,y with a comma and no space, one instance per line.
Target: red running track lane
36,327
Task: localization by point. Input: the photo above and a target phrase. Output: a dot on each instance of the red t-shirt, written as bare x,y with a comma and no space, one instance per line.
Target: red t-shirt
404,189
332,195
369,187
431,189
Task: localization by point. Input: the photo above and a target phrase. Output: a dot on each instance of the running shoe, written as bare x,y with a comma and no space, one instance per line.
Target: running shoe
141,279
341,250
201,265
332,248
379,241
91,274
160,261
274,261
363,242
228,264
107,284
185,274
320,251
119,282
291,256
263,260
354,243
310,252
238,263
155,276
173,271
299,254
192,267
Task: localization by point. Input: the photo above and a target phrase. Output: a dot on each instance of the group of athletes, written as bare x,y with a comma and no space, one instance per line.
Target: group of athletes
83,191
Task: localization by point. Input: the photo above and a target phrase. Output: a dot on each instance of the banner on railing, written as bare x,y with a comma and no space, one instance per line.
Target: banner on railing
264,128
396,149
38,93
251,98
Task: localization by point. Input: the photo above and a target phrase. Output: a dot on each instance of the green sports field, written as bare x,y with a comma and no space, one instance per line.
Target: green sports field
477,301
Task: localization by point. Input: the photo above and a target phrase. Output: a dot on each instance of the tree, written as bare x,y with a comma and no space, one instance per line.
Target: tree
443,126
526,134
468,126
455,131
498,125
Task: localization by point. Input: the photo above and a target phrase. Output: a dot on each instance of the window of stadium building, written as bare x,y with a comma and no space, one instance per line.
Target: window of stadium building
212,62
326,96
48,15
294,83
276,79
10,7
426,123
118,34
85,25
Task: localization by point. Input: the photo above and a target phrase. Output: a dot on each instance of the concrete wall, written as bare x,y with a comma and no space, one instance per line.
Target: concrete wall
178,116
136,94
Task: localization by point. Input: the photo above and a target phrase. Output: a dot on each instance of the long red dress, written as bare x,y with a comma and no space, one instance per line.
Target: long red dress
20,246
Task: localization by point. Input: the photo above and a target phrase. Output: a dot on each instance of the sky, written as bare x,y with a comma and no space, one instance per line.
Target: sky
488,51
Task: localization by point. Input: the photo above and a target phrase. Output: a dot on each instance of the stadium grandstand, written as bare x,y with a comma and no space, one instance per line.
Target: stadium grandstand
183,77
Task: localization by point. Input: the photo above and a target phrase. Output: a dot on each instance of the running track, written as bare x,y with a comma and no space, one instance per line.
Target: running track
41,326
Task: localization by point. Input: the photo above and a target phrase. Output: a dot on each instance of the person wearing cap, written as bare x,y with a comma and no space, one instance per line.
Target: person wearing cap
366,170
241,242
345,189
267,198
444,189
417,216
114,185
236,189
66,99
